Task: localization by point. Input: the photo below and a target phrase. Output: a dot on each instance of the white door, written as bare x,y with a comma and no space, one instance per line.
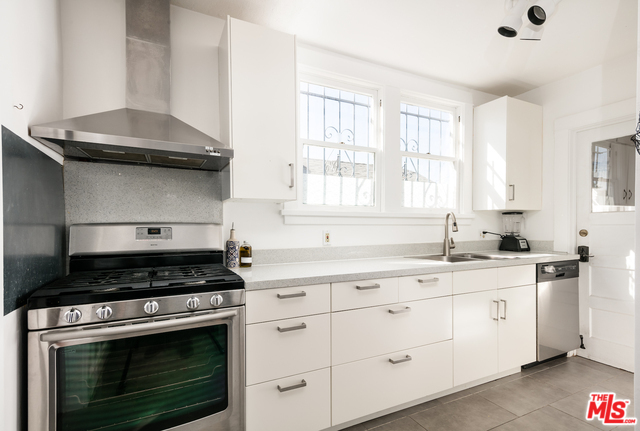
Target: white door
517,327
607,283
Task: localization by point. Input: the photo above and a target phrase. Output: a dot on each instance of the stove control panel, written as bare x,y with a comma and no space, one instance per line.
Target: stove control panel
153,233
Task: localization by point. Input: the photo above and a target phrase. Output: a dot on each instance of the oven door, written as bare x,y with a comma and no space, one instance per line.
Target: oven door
180,373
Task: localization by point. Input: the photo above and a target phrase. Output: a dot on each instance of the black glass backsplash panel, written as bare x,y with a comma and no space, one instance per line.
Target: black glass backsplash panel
33,207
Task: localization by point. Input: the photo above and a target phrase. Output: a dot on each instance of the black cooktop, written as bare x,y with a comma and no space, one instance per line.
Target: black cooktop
87,287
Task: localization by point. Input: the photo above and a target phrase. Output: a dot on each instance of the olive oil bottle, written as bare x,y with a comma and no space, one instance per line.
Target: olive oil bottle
245,255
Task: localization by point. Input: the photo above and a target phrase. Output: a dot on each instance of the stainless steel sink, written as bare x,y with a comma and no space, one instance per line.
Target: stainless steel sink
444,258
485,256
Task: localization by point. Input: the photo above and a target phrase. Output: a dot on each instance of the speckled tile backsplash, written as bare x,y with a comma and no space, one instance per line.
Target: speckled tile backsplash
106,193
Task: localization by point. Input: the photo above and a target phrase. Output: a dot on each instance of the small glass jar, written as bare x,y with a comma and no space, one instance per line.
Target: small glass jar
245,255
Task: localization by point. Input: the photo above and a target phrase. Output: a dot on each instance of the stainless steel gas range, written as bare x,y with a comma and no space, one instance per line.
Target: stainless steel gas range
145,333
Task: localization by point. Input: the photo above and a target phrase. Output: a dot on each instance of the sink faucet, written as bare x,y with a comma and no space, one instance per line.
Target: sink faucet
448,243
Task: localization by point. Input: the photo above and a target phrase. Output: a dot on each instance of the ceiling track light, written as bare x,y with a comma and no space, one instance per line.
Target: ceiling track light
511,23
541,10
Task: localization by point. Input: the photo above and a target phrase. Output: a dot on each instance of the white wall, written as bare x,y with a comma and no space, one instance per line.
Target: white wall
593,88
261,223
30,75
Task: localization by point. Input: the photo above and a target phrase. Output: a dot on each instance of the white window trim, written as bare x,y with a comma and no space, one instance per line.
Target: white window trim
385,211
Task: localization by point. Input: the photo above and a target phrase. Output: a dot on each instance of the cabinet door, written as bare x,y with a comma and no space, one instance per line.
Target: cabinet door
524,155
297,403
631,176
262,102
517,328
475,336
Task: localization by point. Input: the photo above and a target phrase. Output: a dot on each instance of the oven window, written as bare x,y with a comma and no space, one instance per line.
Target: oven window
151,382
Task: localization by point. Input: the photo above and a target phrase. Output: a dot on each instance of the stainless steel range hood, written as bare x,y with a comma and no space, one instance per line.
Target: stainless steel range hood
143,132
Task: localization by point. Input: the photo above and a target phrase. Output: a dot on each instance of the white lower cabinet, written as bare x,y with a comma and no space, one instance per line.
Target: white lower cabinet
475,336
297,403
368,386
285,347
517,328
493,331
367,332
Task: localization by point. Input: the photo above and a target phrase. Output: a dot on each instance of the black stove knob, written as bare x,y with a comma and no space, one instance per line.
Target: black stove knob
151,307
73,315
104,312
216,300
193,303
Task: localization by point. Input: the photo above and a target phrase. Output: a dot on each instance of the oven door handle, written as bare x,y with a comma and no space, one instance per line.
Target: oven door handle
54,337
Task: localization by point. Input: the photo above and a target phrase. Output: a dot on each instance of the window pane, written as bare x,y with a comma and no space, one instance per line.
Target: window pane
428,183
426,131
337,177
332,115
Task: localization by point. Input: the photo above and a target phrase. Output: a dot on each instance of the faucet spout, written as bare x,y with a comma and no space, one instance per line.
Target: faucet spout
448,242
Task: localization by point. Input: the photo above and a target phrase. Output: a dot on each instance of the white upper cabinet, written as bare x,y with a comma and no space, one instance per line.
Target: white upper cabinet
507,156
257,68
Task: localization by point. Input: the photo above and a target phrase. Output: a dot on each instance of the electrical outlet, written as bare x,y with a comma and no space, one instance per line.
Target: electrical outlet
326,237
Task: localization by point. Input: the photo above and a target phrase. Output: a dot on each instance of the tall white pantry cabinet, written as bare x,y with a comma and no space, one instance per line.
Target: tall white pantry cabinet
507,156
257,70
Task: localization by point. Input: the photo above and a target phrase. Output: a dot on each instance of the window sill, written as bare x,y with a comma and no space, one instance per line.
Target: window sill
306,217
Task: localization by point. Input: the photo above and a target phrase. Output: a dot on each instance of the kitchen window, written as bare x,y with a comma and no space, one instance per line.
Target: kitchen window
429,157
340,154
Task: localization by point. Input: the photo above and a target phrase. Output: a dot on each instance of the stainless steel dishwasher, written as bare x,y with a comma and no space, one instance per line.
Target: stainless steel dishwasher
558,317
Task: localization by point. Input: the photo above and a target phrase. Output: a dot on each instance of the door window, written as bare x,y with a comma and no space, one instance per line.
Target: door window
613,175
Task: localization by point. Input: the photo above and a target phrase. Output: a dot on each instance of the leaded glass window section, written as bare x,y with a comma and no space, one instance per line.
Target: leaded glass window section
429,158
339,149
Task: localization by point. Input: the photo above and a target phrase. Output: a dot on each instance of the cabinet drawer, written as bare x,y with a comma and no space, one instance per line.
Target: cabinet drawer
306,408
364,293
476,280
364,387
275,304
511,276
359,334
426,286
287,347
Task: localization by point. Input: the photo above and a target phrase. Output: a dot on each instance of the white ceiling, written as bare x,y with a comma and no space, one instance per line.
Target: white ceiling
455,41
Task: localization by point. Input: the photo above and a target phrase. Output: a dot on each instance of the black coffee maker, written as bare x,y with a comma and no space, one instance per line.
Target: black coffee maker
511,240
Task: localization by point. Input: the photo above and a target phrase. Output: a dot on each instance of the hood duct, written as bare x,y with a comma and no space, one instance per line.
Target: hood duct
144,131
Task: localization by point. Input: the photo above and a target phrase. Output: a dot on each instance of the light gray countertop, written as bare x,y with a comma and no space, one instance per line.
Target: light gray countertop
305,273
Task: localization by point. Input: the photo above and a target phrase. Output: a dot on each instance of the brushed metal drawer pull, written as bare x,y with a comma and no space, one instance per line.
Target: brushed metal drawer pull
404,310
497,310
292,295
399,361
505,310
293,328
431,280
373,286
302,384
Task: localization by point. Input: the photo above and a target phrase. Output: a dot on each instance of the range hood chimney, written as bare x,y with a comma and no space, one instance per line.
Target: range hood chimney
144,132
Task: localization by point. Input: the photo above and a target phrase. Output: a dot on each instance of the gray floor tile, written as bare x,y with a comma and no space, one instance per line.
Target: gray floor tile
614,372
524,395
384,420
547,418
404,424
479,388
472,413
621,385
576,406
358,427
571,377
421,407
